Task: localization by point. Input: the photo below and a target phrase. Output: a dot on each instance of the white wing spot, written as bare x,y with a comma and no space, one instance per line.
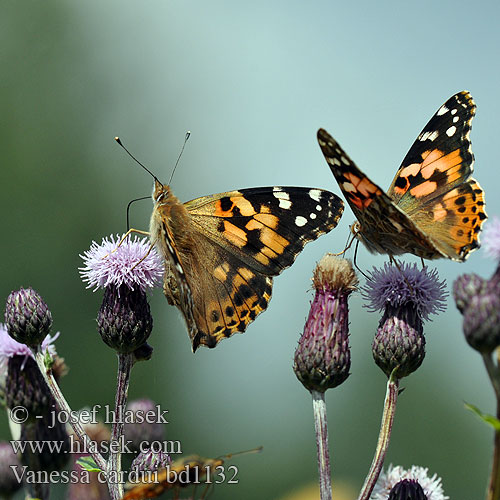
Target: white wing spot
319,208
442,110
455,119
334,161
315,194
344,160
300,221
313,215
283,197
454,111
429,135
451,131
339,152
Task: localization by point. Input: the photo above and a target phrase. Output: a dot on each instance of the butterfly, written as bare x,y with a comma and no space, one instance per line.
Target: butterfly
183,472
221,251
433,208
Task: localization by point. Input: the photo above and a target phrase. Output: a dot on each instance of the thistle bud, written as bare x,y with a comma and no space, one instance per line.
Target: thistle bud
27,317
124,320
25,386
139,428
322,358
150,460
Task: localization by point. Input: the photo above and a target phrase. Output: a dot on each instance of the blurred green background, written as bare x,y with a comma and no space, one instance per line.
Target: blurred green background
252,81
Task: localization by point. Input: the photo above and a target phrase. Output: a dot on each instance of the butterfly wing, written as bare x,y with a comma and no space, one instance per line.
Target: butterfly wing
243,239
434,185
383,226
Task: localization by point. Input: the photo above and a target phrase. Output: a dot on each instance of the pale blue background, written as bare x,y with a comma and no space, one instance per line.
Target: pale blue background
253,81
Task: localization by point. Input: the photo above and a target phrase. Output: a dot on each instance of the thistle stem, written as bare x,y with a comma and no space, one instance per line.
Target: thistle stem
391,397
64,407
125,363
493,492
493,373
321,429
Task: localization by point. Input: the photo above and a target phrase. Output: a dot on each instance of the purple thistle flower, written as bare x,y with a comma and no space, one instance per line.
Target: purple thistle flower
491,238
10,348
109,264
140,427
431,486
391,286
322,358
407,296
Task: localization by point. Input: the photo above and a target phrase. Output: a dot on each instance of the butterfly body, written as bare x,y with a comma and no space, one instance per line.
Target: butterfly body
221,251
433,208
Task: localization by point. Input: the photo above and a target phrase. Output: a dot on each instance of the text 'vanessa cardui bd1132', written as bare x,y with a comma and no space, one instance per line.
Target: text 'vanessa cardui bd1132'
433,208
221,251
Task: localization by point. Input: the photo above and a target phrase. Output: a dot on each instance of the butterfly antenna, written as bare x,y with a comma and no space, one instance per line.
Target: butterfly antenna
188,134
128,208
246,452
117,139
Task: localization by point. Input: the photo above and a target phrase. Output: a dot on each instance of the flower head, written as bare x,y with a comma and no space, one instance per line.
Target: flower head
387,481
491,238
10,348
140,427
124,320
322,358
406,285
407,296
149,460
478,300
134,264
27,317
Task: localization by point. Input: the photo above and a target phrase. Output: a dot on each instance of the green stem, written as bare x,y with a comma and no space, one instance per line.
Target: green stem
64,407
321,428
493,492
391,397
125,363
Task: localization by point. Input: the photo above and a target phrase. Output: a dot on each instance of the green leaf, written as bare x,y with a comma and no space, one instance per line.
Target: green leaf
485,417
88,463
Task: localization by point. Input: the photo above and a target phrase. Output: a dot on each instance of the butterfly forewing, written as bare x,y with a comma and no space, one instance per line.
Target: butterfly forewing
440,158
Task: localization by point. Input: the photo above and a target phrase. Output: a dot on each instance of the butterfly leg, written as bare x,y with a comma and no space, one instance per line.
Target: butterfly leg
208,490
355,263
396,263
125,236
348,245
147,253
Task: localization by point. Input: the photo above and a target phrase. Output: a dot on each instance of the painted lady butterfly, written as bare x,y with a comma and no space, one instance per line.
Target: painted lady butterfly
184,472
181,474
222,250
433,208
